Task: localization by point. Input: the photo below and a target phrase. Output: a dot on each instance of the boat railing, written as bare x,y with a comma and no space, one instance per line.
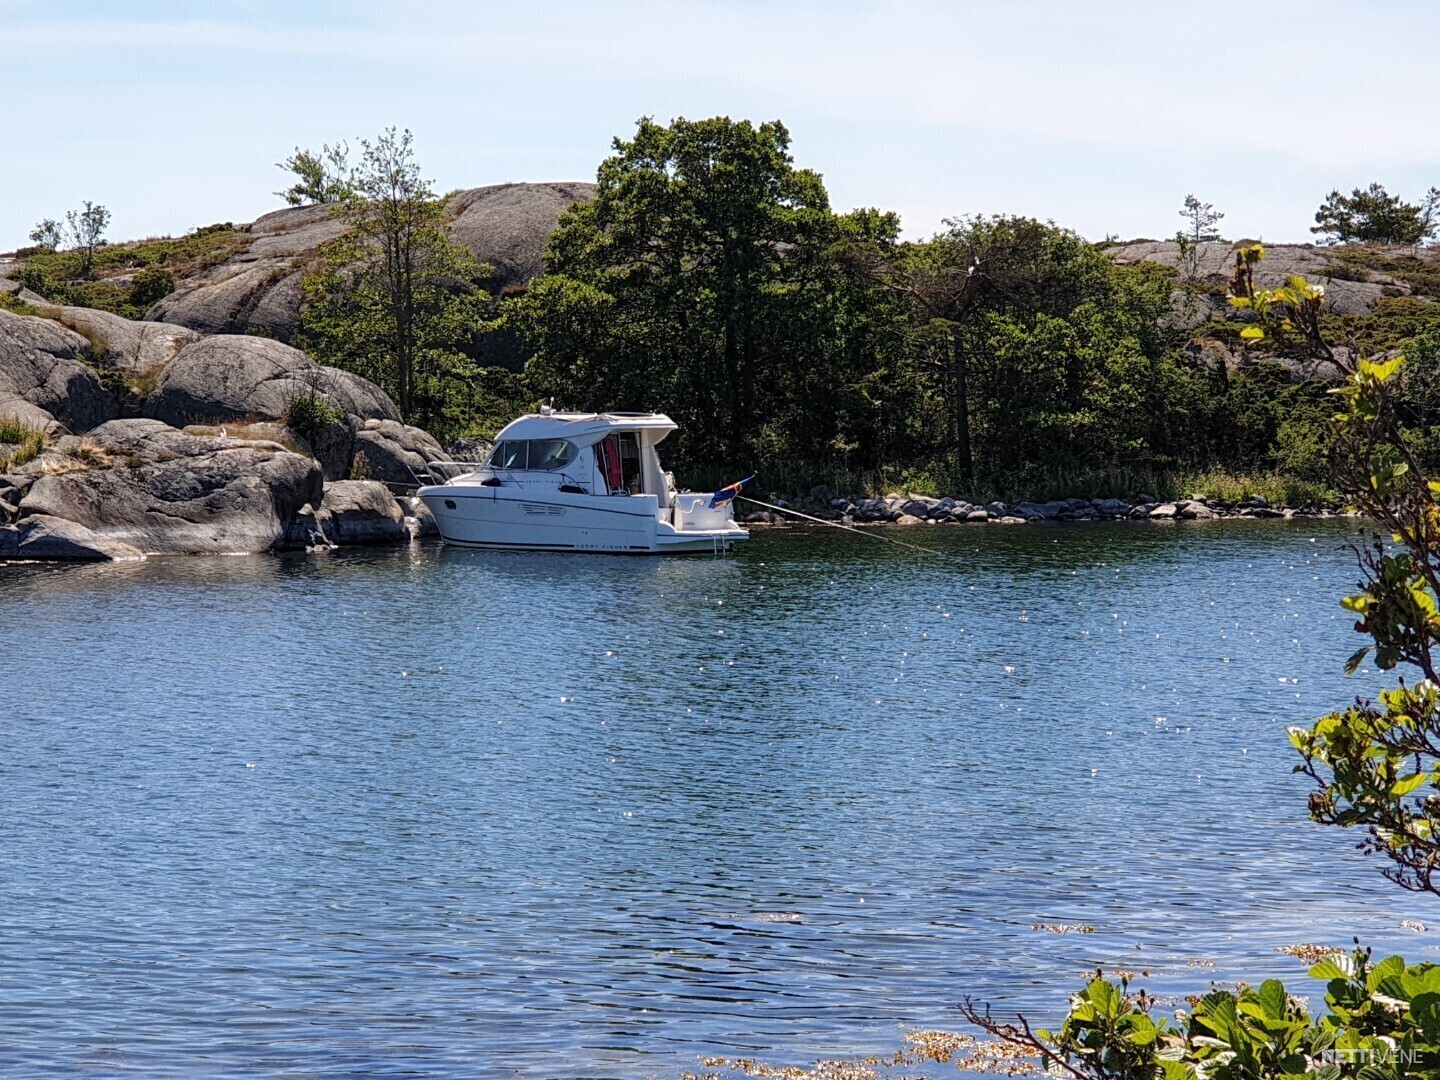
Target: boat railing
442,472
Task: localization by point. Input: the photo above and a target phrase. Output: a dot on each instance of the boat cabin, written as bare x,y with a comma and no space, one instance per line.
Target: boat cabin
588,453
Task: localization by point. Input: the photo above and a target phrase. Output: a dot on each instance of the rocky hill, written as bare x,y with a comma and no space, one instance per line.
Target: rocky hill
175,433
257,286
1374,295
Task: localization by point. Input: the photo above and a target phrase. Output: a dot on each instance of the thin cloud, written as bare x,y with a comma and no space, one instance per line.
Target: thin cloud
1103,114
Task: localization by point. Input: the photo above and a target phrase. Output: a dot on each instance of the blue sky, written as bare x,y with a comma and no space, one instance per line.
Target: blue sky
1099,115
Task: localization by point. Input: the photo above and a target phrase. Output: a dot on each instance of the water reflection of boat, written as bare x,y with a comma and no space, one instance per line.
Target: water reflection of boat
580,482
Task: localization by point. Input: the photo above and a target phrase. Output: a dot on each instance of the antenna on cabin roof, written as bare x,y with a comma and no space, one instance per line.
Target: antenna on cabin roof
548,410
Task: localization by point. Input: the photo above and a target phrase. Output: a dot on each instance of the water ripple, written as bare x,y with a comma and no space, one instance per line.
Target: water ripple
428,812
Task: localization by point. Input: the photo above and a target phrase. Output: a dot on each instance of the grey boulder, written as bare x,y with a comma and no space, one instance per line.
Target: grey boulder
396,453
162,491
135,348
361,512
508,225
40,366
257,287
41,536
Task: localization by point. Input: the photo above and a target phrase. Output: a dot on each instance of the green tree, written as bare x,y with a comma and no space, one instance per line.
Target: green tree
1374,215
47,235
323,177
1200,221
397,300
1027,333
82,231
85,229
695,281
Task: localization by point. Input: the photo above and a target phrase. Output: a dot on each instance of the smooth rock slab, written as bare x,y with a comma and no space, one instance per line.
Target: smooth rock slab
231,377
396,453
136,348
43,537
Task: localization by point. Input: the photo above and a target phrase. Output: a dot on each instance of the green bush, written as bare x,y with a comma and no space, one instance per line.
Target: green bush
150,285
310,414
1383,1022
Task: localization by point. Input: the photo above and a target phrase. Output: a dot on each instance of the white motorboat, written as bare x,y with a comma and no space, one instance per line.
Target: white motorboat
559,481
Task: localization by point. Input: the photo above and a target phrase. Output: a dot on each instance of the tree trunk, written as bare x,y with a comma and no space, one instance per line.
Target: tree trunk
960,379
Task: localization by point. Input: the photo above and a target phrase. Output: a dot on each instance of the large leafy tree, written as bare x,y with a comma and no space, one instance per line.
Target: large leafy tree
696,281
1039,348
397,300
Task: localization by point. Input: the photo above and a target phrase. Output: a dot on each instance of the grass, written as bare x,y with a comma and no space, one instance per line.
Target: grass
24,441
57,275
795,482
88,455
1276,488
251,431
99,347
204,247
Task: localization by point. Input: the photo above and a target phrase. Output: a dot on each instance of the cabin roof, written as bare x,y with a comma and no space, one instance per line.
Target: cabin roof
576,426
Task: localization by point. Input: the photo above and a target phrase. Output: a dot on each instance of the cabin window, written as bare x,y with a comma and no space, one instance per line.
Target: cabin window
535,455
547,455
509,454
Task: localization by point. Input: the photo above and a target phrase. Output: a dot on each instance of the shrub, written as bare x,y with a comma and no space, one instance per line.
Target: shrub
151,284
1382,1022
309,414
11,302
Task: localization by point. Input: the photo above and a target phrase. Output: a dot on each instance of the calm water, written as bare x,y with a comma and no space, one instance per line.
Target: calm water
437,813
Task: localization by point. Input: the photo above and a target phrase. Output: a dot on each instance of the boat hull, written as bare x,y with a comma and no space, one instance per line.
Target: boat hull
501,518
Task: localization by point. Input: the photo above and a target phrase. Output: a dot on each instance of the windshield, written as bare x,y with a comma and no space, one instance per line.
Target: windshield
534,455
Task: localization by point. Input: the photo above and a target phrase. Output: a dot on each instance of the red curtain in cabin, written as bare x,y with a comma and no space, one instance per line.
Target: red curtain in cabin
609,453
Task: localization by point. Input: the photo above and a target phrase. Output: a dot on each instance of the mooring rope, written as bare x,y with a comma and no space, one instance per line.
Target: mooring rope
847,528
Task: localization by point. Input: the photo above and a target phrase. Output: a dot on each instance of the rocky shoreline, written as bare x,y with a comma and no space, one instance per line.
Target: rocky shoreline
911,509
140,438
